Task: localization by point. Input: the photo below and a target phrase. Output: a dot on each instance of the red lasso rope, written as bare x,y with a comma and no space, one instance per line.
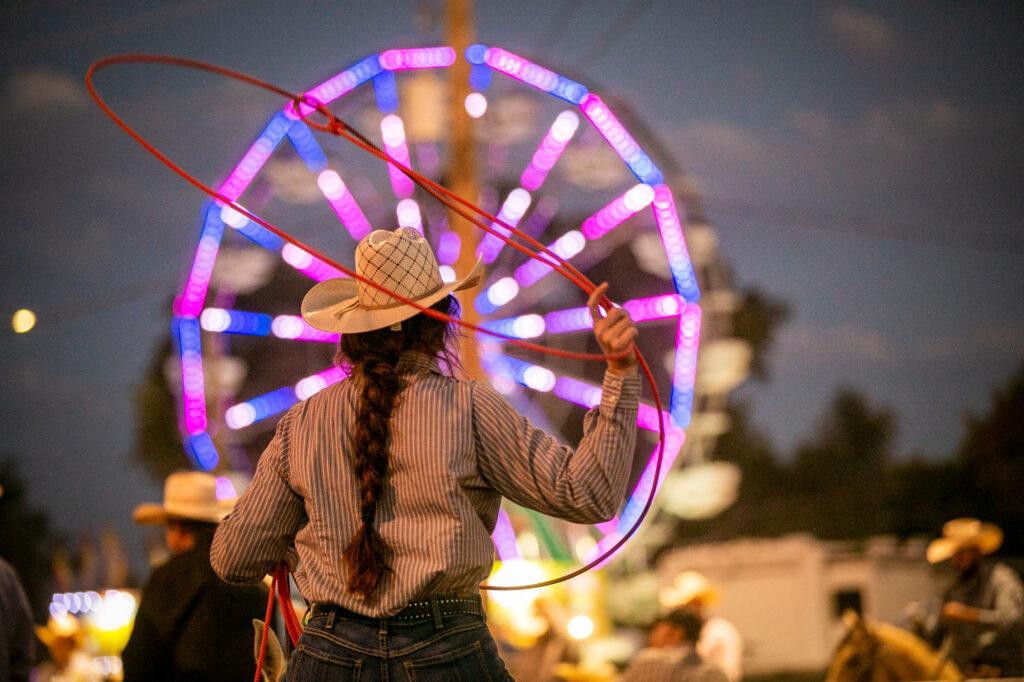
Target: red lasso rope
463,207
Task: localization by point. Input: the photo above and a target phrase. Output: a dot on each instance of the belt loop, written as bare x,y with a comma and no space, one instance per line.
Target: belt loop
330,619
438,622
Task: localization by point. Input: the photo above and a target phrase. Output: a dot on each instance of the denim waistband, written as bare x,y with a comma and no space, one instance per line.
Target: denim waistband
433,607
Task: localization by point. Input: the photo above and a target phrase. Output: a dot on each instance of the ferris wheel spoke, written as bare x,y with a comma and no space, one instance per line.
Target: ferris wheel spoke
277,401
291,327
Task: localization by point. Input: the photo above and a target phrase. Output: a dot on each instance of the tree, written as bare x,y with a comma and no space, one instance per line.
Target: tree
25,540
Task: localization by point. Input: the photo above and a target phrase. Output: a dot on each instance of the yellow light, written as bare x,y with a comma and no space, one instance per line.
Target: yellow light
580,627
23,320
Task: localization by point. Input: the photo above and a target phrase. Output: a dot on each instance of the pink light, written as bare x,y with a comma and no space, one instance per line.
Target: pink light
516,204
417,58
312,385
333,88
571,320
294,327
190,303
504,537
393,132
549,151
618,211
343,203
598,113
254,158
684,372
193,392
448,246
309,265
521,69
654,307
566,246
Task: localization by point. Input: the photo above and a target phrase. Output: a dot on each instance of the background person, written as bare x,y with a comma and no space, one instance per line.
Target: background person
720,642
190,624
671,655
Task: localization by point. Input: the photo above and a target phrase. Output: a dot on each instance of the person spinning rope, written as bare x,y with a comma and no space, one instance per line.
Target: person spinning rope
388,484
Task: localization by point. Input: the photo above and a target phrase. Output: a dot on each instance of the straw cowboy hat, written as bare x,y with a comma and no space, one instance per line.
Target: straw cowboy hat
689,586
400,261
189,495
962,533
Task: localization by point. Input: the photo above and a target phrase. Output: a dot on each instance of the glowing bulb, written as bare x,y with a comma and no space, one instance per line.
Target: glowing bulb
503,291
286,326
392,130
447,273
476,104
638,197
580,627
539,378
516,204
233,218
528,326
215,319
23,321
331,184
565,126
408,212
240,415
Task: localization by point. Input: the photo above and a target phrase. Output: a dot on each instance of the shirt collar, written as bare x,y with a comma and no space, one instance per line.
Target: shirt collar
416,362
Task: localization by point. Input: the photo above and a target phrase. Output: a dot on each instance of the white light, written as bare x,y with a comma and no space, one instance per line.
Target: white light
331,184
215,320
580,627
503,291
539,379
570,243
447,273
116,611
517,203
233,218
528,326
565,126
309,386
240,415
476,104
408,212
638,197
296,257
286,326
392,130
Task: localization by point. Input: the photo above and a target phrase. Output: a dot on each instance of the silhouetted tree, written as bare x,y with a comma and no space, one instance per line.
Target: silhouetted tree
25,538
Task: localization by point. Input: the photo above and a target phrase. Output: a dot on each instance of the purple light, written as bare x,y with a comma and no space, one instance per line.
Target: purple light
225,489
190,302
333,88
343,203
654,307
622,208
516,204
598,113
502,291
258,408
671,231
540,216
417,58
476,104
448,246
566,246
254,159
312,385
309,265
579,392
571,320
294,327
408,213
674,439
187,332
504,537
526,71
521,327
550,149
393,132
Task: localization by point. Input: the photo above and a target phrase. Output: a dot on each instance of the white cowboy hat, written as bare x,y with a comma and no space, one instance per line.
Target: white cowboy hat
189,495
689,586
961,533
400,261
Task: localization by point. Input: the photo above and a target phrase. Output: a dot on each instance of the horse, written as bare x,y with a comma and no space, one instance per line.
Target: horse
879,652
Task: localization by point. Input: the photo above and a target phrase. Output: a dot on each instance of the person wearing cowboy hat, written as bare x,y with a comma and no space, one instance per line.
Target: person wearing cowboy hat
389,483
671,655
190,624
982,614
720,643
17,642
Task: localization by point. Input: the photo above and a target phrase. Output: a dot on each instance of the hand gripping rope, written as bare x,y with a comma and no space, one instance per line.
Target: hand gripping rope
482,219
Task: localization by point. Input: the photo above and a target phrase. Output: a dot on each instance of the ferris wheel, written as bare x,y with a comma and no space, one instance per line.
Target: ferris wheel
557,193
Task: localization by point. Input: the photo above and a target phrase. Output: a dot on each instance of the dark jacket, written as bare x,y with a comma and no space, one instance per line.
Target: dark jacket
193,626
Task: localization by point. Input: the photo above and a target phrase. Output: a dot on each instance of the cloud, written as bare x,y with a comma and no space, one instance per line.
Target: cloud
43,88
723,143
861,34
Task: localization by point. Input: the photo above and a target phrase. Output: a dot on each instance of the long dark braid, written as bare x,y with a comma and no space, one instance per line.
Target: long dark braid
373,357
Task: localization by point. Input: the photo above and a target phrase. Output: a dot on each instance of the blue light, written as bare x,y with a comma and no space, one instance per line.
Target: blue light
386,91
365,69
275,402
186,331
484,305
681,406
306,146
251,324
569,90
475,54
480,77
204,452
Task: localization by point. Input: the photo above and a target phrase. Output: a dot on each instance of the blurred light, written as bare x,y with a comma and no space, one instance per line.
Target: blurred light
240,178
312,385
225,488
684,372
512,210
598,113
239,415
532,74
579,392
448,246
258,408
417,58
294,327
23,321
618,211
307,264
580,627
393,132
335,87
447,273
204,452
522,327
549,151
504,537
306,147
476,104
235,322
117,609
502,291
232,217
654,307
674,439
186,331
480,76
386,91
343,203
408,212
669,227
190,302
539,379
571,320
476,54
565,247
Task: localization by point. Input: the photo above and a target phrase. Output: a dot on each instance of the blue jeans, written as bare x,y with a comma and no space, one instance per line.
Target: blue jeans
450,649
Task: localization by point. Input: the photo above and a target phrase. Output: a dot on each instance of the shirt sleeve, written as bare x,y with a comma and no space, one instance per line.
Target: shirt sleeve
529,467
261,529
1008,606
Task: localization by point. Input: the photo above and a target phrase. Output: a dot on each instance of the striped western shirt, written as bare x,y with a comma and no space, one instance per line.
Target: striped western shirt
457,447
